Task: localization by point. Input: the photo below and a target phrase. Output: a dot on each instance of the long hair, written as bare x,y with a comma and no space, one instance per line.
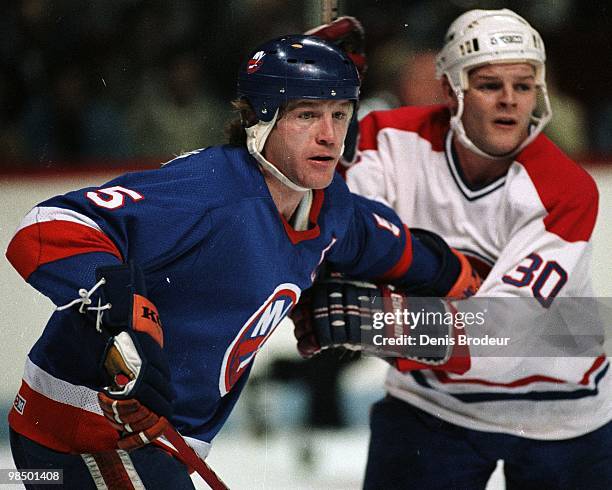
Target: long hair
234,130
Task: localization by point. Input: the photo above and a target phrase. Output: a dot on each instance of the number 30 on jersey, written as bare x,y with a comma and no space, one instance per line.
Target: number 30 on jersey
545,282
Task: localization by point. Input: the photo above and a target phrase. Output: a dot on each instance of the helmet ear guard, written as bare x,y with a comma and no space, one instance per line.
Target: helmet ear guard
288,68
481,37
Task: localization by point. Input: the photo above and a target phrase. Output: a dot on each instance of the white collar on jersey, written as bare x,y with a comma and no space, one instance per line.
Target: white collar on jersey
299,220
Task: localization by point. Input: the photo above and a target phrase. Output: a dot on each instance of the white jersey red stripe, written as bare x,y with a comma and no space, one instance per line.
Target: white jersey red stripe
544,207
587,380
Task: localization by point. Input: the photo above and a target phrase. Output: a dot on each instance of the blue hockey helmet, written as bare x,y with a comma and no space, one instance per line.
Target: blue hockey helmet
296,67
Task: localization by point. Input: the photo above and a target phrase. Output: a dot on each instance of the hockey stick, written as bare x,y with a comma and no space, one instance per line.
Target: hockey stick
329,11
188,456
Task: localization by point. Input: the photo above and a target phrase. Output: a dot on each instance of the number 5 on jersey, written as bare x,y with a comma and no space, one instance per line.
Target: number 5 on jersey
552,273
116,197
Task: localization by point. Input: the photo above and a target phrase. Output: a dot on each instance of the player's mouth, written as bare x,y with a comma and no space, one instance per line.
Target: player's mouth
322,159
505,122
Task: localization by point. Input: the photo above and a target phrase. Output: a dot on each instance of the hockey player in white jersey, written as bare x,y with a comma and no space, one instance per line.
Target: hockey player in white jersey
479,172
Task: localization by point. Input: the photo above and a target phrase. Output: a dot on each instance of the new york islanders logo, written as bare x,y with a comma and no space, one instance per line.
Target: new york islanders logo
255,62
254,333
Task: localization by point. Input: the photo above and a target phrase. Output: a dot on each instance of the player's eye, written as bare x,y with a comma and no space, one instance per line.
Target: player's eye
523,87
489,86
306,115
340,115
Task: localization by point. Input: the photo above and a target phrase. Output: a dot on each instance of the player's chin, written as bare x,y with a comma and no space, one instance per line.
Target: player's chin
318,181
503,146
505,141
320,176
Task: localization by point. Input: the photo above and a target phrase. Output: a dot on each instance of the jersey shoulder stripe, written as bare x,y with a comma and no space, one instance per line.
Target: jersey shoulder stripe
430,122
566,190
36,241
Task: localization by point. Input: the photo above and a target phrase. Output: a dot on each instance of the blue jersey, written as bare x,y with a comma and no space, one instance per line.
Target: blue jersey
222,266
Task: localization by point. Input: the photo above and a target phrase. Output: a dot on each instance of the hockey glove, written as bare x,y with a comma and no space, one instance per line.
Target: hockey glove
136,367
347,33
340,312
456,278
137,424
468,281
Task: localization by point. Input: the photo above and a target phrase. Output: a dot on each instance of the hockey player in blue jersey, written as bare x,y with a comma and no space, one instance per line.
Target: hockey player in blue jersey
168,282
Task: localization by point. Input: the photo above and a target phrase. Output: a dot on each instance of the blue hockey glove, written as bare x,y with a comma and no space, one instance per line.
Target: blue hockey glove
341,312
135,364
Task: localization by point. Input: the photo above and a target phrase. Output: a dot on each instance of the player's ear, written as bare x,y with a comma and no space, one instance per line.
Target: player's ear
449,94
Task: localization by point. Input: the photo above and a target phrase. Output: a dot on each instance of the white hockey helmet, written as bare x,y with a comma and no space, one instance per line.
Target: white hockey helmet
482,37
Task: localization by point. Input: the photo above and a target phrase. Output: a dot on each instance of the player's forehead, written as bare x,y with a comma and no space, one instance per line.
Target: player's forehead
503,70
319,104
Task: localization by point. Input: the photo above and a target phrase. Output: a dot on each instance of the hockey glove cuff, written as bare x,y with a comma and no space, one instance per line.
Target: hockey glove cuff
456,278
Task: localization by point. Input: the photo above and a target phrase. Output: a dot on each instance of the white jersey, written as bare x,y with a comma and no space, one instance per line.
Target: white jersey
529,233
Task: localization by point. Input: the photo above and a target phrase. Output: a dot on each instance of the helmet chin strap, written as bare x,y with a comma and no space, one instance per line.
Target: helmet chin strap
457,127
256,139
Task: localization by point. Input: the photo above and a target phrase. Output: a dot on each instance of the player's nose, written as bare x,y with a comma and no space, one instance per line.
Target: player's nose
326,130
507,95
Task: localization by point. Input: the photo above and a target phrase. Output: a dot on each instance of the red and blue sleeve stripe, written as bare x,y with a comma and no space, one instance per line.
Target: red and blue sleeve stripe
49,234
